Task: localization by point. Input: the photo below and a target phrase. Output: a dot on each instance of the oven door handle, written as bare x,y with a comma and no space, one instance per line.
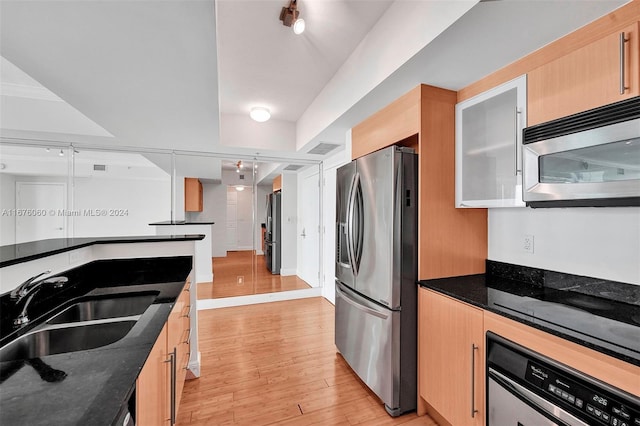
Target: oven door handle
525,395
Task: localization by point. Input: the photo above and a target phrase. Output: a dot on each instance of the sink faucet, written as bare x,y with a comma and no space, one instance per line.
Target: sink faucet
22,290
27,290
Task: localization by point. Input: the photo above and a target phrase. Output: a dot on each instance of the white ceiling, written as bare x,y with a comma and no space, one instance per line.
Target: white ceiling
181,75
263,63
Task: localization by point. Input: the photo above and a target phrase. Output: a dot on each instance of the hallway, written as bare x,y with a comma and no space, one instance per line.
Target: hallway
241,273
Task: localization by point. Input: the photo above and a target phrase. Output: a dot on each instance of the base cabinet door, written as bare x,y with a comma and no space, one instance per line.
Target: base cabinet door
451,358
153,397
161,381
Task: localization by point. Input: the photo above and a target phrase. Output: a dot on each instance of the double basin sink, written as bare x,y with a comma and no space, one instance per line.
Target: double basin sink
88,324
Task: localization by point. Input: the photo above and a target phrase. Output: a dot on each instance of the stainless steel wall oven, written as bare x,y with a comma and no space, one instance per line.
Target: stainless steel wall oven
589,159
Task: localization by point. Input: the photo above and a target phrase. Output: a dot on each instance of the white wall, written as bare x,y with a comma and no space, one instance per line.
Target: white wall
330,165
144,201
596,242
7,203
231,177
214,209
289,245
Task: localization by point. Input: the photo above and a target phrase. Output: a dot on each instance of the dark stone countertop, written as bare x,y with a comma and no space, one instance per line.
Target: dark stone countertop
24,252
97,383
598,314
180,222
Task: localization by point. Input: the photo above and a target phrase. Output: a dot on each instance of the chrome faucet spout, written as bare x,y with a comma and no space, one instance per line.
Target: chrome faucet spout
23,289
29,291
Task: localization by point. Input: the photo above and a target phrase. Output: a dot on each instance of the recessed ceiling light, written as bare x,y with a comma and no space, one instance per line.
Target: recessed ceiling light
260,114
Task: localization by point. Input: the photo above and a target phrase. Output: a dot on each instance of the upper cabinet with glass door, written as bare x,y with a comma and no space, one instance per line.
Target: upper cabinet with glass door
489,146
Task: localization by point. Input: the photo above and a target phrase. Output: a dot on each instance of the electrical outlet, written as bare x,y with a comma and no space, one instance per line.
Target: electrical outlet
240,280
527,243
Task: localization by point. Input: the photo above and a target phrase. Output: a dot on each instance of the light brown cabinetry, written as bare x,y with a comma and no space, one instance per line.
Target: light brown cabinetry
160,383
178,338
450,359
153,386
451,242
597,74
192,195
277,183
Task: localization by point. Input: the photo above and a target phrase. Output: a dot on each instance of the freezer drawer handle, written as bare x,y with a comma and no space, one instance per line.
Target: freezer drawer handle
357,305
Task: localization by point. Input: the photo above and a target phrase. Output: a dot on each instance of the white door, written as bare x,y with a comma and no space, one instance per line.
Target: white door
232,228
308,228
39,211
244,219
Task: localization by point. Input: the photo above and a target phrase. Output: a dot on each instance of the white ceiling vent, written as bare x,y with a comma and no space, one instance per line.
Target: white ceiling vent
293,167
100,167
323,148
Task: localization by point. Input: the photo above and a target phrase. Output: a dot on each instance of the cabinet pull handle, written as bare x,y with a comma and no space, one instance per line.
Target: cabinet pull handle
517,134
188,309
623,40
474,348
188,341
172,361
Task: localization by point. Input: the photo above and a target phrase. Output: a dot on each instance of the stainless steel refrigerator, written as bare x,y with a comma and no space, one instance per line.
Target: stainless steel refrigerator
272,235
376,273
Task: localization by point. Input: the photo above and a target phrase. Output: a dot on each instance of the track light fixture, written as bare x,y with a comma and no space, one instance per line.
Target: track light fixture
289,17
239,166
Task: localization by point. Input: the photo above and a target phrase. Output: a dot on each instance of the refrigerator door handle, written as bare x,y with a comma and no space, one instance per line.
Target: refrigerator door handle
350,225
347,298
359,226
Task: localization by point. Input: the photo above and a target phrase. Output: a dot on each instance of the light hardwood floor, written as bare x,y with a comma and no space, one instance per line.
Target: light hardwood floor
276,364
241,273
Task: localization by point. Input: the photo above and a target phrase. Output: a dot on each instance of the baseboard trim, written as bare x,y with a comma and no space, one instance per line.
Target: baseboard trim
287,272
254,299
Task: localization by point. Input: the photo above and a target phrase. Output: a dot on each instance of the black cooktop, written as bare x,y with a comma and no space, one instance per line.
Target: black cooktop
600,314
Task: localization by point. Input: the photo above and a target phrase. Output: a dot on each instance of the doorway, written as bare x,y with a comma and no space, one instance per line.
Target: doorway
242,269
40,211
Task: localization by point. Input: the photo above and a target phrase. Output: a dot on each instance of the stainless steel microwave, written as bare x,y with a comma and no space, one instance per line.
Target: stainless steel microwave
589,159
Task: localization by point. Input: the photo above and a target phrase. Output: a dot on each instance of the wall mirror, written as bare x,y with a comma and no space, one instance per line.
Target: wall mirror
66,191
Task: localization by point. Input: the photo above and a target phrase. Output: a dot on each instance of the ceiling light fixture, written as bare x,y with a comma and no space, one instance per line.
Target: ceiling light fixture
239,166
61,153
289,17
239,188
299,26
260,114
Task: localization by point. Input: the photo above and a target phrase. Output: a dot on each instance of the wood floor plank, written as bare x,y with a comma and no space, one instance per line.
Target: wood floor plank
276,364
242,273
